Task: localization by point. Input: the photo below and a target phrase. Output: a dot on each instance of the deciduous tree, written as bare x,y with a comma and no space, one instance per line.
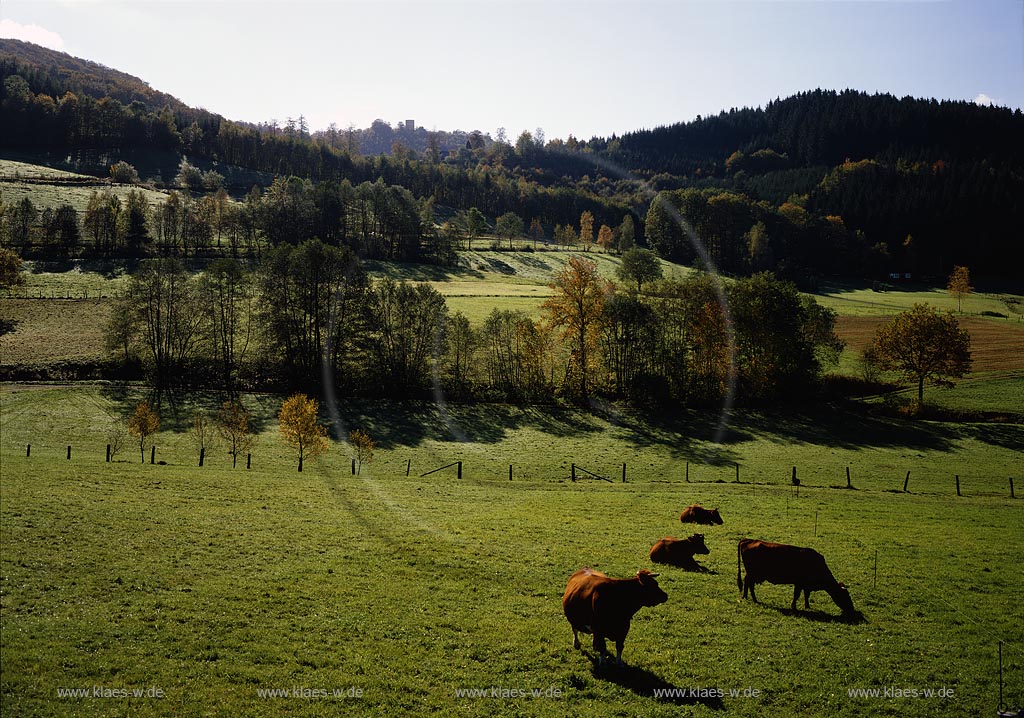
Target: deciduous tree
233,425
509,225
143,423
924,346
639,265
586,229
959,284
576,307
300,427
363,446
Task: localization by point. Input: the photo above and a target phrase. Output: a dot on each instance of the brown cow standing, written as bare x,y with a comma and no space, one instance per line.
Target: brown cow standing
697,514
675,552
594,603
778,563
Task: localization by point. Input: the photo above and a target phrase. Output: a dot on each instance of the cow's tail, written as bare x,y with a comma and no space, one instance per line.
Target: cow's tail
739,581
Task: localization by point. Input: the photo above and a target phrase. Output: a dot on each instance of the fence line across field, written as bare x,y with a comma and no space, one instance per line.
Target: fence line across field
959,485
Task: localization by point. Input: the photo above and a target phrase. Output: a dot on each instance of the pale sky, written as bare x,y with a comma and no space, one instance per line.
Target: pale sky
585,68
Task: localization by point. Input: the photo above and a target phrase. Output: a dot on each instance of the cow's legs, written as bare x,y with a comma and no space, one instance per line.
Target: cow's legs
796,595
618,650
749,583
807,598
599,645
575,639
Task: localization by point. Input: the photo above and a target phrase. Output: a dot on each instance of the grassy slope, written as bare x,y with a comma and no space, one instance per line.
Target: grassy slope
213,583
14,189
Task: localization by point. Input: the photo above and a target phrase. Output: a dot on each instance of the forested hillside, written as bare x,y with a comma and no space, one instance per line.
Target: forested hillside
823,182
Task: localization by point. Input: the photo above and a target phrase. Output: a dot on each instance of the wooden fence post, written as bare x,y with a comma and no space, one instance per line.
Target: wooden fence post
202,454
795,480
958,484
152,454
687,472
248,461
510,472
108,453
1011,488
573,472
69,452
737,472
460,470
353,467
28,450
905,482
408,465
848,485
623,473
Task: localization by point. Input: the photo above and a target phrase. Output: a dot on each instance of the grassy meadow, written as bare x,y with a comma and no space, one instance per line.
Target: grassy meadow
213,584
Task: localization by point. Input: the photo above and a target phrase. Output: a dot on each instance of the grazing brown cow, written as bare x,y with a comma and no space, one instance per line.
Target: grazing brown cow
604,606
778,563
697,514
675,552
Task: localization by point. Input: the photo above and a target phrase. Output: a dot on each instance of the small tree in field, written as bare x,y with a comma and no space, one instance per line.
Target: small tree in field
639,265
144,422
959,284
363,446
924,345
202,434
117,437
124,173
233,426
300,427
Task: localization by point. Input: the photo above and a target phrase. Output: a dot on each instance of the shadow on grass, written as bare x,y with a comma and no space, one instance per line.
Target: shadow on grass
644,683
420,272
817,616
838,427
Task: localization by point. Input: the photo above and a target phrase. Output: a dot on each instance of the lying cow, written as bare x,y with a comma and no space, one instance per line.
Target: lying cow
697,514
676,552
594,603
778,563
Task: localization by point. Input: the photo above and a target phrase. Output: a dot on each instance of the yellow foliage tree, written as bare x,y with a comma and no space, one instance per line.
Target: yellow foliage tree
586,229
959,284
300,427
576,306
144,422
363,446
605,237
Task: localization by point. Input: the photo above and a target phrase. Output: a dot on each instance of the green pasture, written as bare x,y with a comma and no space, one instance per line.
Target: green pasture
213,584
860,300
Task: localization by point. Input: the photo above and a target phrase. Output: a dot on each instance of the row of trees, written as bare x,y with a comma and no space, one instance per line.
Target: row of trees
310,313
231,429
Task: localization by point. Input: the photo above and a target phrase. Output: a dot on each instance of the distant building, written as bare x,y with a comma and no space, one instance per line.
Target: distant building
410,125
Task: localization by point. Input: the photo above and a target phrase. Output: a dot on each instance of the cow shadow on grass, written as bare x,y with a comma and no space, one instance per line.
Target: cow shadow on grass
644,683
818,616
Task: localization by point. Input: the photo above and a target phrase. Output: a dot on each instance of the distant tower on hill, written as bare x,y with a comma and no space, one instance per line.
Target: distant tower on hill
410,125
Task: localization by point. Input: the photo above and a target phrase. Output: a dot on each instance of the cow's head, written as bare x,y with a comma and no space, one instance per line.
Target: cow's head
650,592
715,516
697,544
842,598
